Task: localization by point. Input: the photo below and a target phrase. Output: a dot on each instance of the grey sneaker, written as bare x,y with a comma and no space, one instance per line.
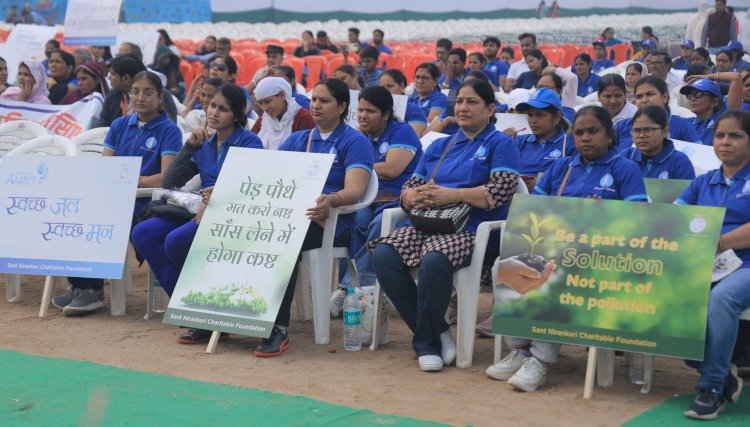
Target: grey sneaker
505,368
63,300
337,302
532,375
84,301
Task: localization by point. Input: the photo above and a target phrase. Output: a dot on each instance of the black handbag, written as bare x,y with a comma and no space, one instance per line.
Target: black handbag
449,219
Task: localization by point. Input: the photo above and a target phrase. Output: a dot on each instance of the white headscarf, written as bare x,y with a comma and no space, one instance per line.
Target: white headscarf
272,130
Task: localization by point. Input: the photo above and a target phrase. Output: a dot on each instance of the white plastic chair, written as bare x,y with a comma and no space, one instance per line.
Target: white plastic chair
319,263
91,141
15,133
466,281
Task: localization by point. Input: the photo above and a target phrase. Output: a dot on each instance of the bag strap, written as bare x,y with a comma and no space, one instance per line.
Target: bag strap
565,144
434,171
564,181
309,140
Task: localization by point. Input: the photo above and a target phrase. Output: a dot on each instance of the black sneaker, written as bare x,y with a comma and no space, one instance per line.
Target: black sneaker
274,345
732,385
706,406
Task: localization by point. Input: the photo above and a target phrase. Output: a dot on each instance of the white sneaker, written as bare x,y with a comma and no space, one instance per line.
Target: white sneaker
532,375
430,362
448,351
337,302
505,368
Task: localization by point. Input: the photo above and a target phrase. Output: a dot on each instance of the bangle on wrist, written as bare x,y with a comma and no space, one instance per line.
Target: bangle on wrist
339,197
461,191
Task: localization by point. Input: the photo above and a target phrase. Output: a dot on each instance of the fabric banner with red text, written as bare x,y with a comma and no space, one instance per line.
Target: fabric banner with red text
65,120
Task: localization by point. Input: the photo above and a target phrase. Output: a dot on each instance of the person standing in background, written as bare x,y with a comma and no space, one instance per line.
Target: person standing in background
719,28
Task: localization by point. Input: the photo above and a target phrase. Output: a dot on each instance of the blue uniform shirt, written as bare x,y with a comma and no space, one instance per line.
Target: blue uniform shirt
352,150
302,100
372,79
712,189
679,128
152,141
436,100
499,68
680,63
210,160
455,81
610,177
414,115
397,135
538,156
469,163
452,128
569,114
597,66
705,128
668,164
588,86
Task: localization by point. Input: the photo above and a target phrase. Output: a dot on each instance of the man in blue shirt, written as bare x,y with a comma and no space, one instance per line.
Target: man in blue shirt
495,65
369,71
377,42
682,62
455,70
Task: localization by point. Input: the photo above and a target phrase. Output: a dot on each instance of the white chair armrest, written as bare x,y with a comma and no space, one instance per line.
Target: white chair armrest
146,192
390,218
482,237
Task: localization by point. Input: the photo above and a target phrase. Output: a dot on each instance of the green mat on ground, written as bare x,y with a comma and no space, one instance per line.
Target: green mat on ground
670,413
42,391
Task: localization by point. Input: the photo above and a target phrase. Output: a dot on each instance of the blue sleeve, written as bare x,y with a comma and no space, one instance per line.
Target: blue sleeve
505,154
683,168
544,186
415,115
502,70
690,195
290,144
405,138
491,76
439,103
110,141
630,182
172,141
250,140
358,154
686,132
622,134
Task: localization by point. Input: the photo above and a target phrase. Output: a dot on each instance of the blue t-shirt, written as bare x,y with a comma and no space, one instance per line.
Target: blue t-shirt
526,80
712,189
151,141
569,114
352,150
680,63
397,136
597,66
668,164
705,128
538,156
385,49
435,100
210,160
452,128
469,163
680,128
498,67
588,86
414,115
455,81
372,79
610,177
302,100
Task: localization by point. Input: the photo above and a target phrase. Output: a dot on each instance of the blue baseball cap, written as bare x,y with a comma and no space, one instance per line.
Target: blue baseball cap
734,45
542,98
688,44
650,43
703,85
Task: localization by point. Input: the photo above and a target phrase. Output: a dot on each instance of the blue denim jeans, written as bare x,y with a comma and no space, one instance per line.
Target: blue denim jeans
725,303
422,307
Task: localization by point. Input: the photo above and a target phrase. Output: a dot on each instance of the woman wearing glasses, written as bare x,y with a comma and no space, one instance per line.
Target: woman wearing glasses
427,94
707,103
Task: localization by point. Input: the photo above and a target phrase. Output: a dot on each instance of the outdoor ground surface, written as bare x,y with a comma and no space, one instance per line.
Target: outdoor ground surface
385,382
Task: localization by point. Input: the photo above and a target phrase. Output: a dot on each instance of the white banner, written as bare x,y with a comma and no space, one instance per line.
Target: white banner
91,22
65,120
519,122
29,40
66,216
145,40
243,254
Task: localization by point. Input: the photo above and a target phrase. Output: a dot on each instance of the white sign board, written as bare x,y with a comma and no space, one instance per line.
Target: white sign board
702,156
29,40
247,244
64,120
429,138
519,122
66,216
399,108
147,41
91,22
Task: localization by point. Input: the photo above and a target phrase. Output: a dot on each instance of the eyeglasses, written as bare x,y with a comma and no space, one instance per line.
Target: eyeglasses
422,77
220,67
146,94
696,95
643,131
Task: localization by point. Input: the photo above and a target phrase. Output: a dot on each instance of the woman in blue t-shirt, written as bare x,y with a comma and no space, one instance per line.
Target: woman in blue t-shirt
588,81
596,171
654,153
479,167
164,242
427,95
536,62
727,187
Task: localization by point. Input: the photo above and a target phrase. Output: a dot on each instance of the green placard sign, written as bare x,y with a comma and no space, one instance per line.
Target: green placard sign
630,276
665,190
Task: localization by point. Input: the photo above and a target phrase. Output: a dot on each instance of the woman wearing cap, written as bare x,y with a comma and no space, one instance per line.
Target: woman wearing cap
92,77
652,90
706,103
727,187
395,82
612,93
427,94
595,171
646,47
600,62
654,152
32,84
536,62
683,61
282,116
564,84
588,81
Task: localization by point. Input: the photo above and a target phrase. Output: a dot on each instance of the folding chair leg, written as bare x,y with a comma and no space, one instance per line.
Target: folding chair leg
149,296
376,317
213,342
46,296
13,287
302,290
588,388
605,367
468,299
118,292
648,373
321,273
498,348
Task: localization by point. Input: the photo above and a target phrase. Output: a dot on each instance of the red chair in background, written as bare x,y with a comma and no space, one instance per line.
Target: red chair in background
298,64
620,52
315,64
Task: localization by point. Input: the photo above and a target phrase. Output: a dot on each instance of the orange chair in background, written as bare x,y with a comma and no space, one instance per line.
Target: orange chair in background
298,64
620,52
187,72
253,65
315,65
554,55
414,63
333,63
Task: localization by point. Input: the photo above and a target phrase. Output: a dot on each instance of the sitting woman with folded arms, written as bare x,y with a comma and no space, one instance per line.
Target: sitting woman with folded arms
727,187
654,153
164,242
32,84
345,185
597,172
395,81
92,77
282,116
478,166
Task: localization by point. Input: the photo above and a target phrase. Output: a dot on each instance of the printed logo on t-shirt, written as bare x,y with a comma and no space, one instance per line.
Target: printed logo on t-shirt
384,148
480,153
746,188
151,143
555,153
664,175
606,181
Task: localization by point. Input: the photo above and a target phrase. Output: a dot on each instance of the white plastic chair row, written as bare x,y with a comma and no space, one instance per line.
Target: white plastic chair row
319,263
465,280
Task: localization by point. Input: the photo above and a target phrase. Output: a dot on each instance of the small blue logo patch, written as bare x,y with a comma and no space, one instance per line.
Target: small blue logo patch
664,175
606,181
151,143
384,147
481,151
555,153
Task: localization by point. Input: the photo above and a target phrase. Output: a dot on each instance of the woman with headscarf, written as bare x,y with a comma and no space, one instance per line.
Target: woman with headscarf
92,77
32,84
282,116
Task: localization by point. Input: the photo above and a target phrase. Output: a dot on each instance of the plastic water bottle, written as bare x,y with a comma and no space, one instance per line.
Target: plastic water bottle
352,321
161,299
635,371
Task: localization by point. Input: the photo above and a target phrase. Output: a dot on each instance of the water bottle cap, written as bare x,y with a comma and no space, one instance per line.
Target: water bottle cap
350,290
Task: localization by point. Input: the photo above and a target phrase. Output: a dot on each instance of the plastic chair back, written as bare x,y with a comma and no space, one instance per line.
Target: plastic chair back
48,145
315,64
15,133
297,64
91,142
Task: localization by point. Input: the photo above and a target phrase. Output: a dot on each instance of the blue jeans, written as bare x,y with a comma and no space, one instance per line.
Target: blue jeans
422,307
725,303
165,244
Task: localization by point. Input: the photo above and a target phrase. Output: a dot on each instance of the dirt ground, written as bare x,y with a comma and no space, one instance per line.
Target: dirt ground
386,381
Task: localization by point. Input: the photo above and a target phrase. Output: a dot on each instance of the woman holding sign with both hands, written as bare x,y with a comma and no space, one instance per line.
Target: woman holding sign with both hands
598,172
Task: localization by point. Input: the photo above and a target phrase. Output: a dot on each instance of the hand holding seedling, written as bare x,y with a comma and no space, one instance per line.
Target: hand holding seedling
520,277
